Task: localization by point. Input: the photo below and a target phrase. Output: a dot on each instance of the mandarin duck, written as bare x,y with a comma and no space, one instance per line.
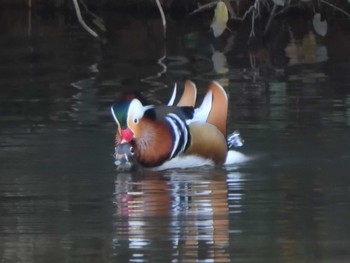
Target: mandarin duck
168,136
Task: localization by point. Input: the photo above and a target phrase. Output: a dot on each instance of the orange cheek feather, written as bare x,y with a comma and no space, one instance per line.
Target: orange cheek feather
135,129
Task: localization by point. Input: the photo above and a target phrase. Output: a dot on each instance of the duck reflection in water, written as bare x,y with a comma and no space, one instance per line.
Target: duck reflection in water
182,215
124,157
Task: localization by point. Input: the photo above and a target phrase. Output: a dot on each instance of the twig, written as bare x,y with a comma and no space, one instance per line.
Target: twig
270,18
257,8
230,9
163,17
232,13
284,9
252,32
267,4
98,20
254,7
335,7
287,6
203,7
251,9
91,13
81,21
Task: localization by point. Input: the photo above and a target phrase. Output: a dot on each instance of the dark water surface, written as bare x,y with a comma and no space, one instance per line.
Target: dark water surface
61,198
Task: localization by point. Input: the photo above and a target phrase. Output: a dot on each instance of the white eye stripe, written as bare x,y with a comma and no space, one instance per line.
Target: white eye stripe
115,117
136,111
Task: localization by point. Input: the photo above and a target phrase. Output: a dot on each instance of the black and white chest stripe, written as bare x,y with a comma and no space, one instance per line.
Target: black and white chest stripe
181,134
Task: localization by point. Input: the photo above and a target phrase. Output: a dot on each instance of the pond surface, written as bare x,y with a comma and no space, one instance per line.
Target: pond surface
61,198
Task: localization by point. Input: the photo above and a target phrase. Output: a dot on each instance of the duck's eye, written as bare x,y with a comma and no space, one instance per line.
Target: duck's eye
136,120
132,151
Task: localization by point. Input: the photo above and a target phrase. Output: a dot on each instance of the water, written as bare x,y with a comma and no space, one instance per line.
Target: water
62,200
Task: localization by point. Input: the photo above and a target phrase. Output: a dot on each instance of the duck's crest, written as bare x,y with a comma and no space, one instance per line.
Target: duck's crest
213,108
188,97
201,114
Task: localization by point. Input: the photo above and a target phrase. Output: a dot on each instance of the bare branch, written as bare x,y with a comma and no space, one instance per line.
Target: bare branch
203,7
270,18
98,20
88,11
230,9
232,13
251,8
335,7
252,32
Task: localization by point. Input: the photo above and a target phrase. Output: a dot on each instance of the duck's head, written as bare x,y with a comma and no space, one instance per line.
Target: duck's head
127,113
119,112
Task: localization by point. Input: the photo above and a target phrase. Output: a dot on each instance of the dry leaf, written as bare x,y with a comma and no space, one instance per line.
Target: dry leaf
319,26
279,2
220,19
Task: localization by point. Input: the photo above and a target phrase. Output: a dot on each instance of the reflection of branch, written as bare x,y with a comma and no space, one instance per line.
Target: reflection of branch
335,7
253,8
81,21
161,62
163,17
154,80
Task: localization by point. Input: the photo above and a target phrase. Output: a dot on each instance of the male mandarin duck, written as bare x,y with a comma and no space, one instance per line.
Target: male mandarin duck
168,136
